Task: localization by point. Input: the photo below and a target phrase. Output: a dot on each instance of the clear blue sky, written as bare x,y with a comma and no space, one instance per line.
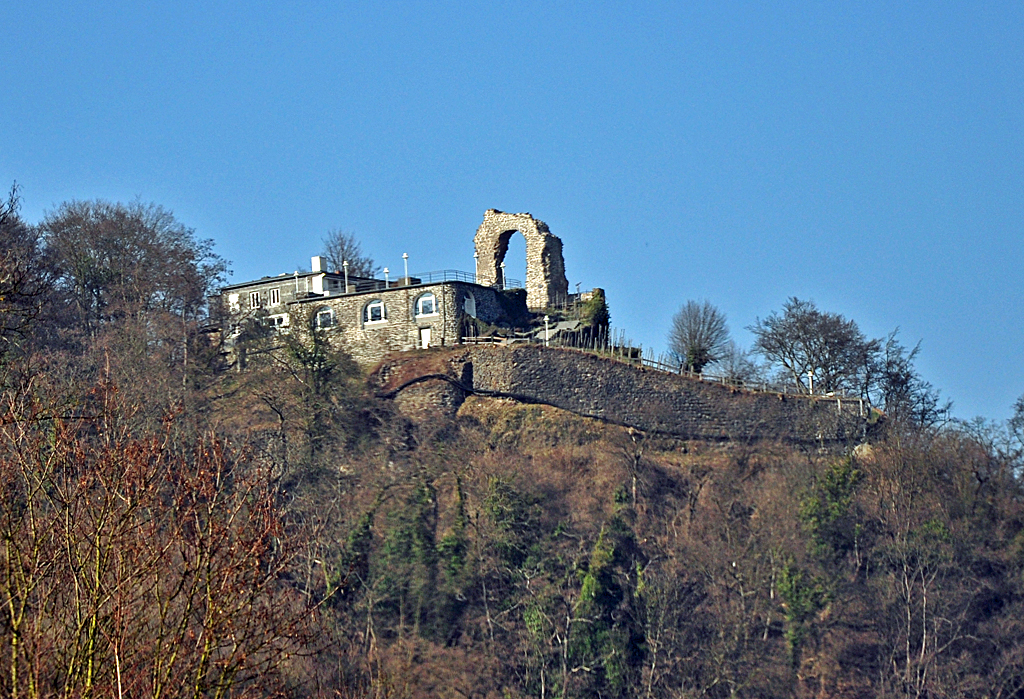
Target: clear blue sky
867,156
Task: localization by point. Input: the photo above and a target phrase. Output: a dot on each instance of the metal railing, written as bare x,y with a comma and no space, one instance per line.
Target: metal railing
420,279
359,287
443,275
618,350
758,386
454,275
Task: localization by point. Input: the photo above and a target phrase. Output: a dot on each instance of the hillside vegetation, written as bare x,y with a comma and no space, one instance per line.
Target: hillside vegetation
171,526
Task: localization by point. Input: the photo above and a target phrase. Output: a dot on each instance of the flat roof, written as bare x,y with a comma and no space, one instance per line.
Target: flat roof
285,276
389,290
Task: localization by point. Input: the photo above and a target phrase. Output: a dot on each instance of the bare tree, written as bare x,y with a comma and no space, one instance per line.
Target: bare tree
117,260
9,208
898,387
698,336
736,364
139,564
340,247
804,340
25,277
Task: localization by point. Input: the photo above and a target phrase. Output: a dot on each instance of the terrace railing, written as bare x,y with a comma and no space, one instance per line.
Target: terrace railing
420,279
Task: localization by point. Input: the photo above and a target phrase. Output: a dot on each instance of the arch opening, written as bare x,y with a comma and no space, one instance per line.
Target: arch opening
545,268
511,260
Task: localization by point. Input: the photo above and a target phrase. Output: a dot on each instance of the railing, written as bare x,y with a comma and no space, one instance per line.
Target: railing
617,349
569,303
498,340
444,275
368,285
454,275
760,386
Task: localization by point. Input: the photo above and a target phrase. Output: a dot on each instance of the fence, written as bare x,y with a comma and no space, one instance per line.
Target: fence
613,344
454,275
357,286
661,364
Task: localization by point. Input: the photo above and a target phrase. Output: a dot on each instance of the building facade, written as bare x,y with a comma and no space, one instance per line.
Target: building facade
374,317
369,317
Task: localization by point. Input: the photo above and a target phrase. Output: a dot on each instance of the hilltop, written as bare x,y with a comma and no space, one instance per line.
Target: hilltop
470,521
511,549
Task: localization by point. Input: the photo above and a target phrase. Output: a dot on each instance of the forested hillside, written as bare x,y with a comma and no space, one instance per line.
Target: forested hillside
172,526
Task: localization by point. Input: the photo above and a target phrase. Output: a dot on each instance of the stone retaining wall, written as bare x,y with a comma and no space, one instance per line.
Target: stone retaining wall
624,394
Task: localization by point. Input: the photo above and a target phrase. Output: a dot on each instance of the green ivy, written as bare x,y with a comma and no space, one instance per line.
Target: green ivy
803,597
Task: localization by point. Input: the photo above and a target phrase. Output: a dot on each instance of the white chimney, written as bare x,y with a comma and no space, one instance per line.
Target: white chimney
319,263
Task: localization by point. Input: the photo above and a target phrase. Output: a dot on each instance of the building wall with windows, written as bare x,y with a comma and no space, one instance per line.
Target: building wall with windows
371,324
272,295
269,299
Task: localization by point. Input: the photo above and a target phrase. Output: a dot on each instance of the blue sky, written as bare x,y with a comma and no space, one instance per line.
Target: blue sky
867,156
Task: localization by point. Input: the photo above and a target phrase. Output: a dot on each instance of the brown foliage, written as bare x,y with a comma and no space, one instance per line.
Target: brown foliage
138,562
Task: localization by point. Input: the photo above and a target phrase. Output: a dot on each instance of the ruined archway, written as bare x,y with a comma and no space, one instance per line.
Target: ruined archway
545,269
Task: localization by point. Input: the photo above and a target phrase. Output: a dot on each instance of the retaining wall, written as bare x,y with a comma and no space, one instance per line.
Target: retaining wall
621,393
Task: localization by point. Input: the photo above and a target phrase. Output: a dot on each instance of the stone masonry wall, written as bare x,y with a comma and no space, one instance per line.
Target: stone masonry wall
545,267
649,400
368,343
289,289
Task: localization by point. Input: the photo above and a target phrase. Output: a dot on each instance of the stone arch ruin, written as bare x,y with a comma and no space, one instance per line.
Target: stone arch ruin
545,268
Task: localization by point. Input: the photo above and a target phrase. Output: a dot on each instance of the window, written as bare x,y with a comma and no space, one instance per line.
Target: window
278,321
233,303
324,318
374,312
426,305
275,297
254,299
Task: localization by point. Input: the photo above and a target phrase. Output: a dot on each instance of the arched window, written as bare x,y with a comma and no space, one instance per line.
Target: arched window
469,305
374,312
324,318
426,305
